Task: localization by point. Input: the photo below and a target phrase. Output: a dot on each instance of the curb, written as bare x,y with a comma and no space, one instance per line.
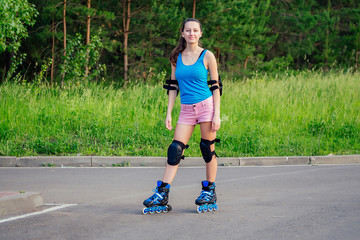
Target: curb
7,161
12,203
335,159
274,161
70,161
99,161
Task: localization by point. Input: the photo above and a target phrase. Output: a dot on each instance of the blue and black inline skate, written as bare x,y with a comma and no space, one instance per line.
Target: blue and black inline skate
207,200
158,202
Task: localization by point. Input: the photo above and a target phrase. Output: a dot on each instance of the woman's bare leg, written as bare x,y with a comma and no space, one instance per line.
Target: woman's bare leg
208,134
182,134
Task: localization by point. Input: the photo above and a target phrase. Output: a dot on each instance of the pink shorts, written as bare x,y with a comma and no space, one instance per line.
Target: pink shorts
192,114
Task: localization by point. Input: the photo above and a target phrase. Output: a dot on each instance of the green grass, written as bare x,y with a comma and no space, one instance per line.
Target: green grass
310,113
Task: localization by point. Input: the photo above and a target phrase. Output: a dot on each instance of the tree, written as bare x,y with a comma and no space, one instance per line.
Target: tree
64,24
126,27
15,16
341,43
236,31
155,33
244,35
296,25
52,51
87,35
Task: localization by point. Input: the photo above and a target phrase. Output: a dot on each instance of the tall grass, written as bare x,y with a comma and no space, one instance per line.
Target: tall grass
311,113
307,114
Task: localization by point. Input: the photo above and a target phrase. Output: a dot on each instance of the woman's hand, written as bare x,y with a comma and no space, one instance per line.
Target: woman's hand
168,122
216,123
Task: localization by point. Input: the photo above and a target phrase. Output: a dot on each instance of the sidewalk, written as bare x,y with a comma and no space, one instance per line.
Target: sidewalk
15,202
97,161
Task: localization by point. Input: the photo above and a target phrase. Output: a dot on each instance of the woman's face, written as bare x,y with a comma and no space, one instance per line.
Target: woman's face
192,32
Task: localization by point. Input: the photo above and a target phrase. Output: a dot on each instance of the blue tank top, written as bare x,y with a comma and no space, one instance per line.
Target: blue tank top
192,80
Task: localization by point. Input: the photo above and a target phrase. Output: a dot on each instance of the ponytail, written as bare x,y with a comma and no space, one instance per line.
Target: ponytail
175,52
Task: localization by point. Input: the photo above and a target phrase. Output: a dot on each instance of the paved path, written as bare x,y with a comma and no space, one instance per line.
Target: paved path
284,202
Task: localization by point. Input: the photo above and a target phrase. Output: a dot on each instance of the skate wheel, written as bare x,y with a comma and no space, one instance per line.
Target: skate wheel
152,210
199,209
210,209
215,207
145,211
165,209
205,208
160,209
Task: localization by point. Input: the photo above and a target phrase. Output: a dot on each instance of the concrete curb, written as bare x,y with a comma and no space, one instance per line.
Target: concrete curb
12,203
273,161
7,161
58,161
98,161
335,159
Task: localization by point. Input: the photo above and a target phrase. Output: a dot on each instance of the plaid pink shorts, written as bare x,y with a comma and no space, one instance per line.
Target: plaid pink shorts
192,114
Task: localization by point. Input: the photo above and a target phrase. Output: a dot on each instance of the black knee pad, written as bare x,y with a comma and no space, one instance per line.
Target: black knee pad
206,151
175,151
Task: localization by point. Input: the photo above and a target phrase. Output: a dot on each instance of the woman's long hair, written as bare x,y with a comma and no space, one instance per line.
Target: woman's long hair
182,43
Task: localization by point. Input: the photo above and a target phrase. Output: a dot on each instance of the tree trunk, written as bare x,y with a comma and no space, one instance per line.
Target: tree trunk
327,36
194,7
87,39
246,61
64,22
126,24
53,52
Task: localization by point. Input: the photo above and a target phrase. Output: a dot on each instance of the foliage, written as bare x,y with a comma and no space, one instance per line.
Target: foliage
316,33
15,15
245,36
78,56
122,164
155,33
13,74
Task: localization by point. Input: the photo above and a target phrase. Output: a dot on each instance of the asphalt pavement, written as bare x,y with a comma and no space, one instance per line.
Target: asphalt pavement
279,202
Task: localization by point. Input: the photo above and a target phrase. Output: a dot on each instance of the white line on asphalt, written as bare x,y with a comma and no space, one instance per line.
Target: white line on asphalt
56,207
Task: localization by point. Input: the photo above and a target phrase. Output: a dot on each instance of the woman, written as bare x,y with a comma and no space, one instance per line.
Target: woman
190,65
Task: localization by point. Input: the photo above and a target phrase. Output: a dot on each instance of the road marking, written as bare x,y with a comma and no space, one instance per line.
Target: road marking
56,207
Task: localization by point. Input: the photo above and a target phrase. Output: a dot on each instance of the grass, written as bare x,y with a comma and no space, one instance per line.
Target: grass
311,113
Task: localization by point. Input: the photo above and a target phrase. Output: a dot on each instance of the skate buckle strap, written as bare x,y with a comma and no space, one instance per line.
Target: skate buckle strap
168,87
208,142
156,195
214,87
205,195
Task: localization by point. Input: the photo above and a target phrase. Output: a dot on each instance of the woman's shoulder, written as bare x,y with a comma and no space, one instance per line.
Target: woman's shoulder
209,56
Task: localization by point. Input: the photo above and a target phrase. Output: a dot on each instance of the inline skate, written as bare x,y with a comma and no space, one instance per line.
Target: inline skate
158,202
207,200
